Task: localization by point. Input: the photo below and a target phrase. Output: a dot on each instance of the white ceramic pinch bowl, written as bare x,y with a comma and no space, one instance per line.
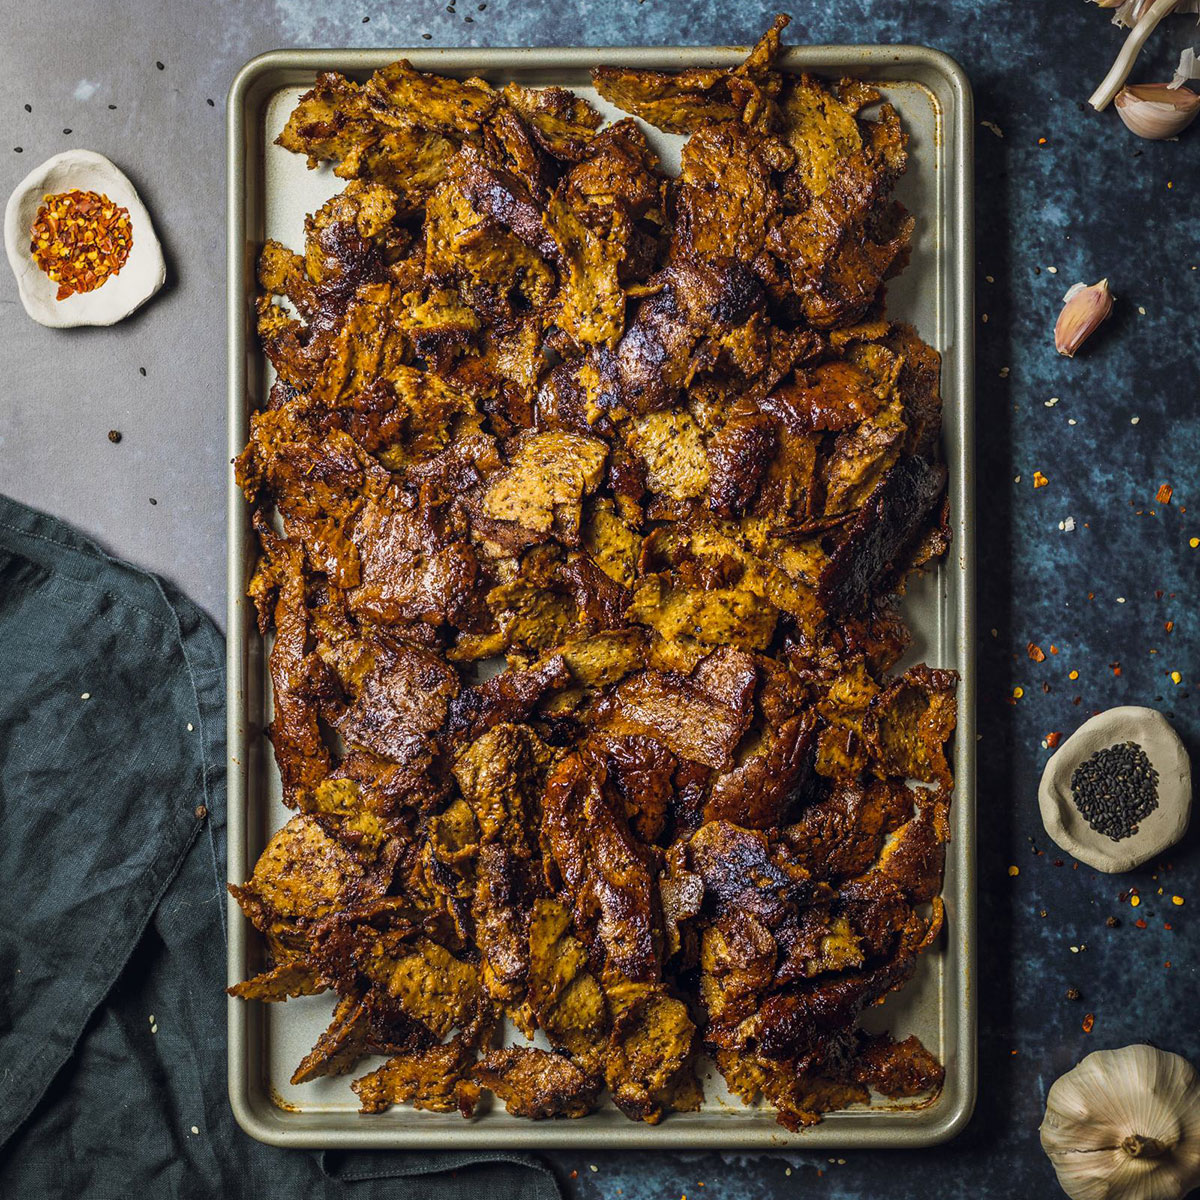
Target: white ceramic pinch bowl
142,274
1156,832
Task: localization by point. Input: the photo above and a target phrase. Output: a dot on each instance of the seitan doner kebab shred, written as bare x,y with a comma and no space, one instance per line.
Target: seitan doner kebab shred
585,495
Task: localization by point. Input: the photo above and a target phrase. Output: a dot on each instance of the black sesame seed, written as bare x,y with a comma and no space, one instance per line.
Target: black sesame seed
17,150
141,370
210,102
426,36
366,19
66,131
160,66
29,108
152,500
112,108
1115,789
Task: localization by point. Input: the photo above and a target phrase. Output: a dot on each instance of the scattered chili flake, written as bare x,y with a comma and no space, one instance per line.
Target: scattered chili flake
1073,994
1169,625
1163,495
201,812
1073,675
114,436
1053,648
1134,900
1052,739
1193,542
1058,862
1039,480
1112,922
79,239
1140,922
1178,900
1014,870
1018,692
1176,678
1035,652
1041,141
1089,1022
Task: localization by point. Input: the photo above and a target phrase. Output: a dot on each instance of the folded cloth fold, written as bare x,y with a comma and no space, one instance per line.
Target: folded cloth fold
112,938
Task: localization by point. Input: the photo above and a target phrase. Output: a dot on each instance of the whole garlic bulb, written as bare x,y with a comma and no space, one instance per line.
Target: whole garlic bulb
1125,1125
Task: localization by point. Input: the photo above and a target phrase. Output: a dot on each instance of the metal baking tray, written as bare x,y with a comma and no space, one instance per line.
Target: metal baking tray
269,193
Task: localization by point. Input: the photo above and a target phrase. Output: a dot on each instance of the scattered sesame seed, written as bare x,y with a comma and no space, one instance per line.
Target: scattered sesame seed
160,66
211,102
17,150
984,318
1120,599
593,1167
1052,270
195,1129
85,695
152,500
66,131
989,279
190,727
141,370
1051,402
1142,309
1070,420
112,108
1134,420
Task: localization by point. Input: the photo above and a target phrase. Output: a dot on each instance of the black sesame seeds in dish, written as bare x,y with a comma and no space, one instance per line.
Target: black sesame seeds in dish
1115,789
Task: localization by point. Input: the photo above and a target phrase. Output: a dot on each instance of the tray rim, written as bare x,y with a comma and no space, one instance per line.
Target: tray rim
904,1128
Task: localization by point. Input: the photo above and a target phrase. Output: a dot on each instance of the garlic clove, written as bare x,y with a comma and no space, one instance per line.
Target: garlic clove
1084,309
1157,110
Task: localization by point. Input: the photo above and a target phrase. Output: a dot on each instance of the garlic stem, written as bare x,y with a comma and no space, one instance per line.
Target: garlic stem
1102,97
1137,1146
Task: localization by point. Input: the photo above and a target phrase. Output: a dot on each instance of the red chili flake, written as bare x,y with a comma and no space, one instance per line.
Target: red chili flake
1053,648
1039,480
1168,925
1169,625
1163,496
1089,1022
1046,689
79,239
1036,652
1058,862
1053,738
1116,668
1167,964
1140,922
1041,141
1158,594
1091,595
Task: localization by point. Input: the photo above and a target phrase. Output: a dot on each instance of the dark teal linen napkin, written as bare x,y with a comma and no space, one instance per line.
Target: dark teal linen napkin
112,925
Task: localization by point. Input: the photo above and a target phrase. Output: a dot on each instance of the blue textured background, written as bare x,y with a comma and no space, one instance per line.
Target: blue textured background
1090,201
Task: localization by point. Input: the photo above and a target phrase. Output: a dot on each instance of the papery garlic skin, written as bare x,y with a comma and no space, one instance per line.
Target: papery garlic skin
1125,1125
1157,110
1084,310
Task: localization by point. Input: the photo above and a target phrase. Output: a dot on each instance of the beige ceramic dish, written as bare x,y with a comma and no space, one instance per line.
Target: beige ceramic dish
142,274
